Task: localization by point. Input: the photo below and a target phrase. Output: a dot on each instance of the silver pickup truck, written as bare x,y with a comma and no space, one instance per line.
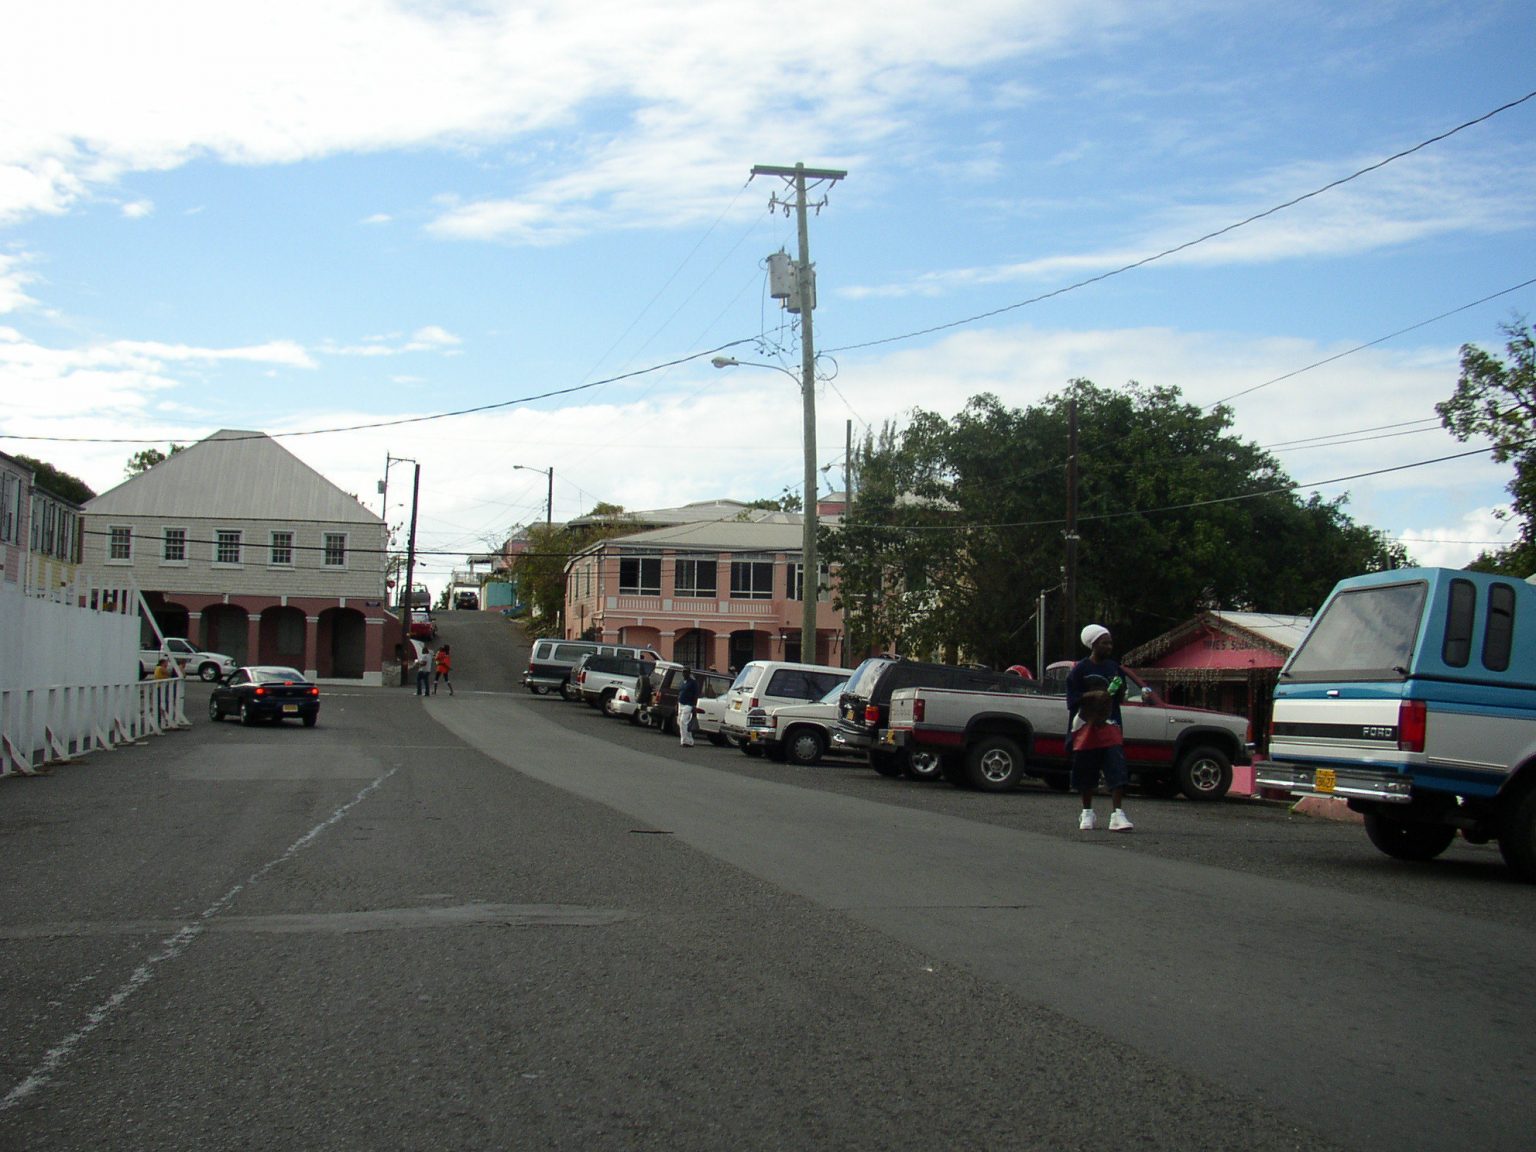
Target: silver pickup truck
992,740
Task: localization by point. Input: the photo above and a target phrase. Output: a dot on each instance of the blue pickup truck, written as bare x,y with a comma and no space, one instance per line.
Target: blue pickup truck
1413,697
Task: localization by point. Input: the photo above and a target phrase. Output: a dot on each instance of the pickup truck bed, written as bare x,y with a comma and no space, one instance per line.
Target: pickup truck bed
992,740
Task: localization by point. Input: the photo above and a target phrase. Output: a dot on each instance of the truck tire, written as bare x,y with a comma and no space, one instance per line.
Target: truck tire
1204,773
884,763
922,764
994,764
1407,839
1517,837
804,745
538,689
209,671
606,702
567,692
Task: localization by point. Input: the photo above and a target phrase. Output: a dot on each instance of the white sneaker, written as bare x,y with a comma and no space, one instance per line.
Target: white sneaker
1120,822
1085,822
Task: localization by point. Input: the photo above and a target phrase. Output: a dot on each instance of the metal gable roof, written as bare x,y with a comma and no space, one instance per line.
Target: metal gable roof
233,475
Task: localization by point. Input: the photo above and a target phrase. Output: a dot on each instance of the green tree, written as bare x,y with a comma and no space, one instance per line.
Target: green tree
45,475
146,459
541,566
1496,399
958,525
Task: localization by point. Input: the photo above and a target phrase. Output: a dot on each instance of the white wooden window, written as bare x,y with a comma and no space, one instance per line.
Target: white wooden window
226,546
335,550
282,550
174,548
695,578
120,544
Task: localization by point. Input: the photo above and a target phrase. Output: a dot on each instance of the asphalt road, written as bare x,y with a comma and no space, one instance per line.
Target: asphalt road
498,920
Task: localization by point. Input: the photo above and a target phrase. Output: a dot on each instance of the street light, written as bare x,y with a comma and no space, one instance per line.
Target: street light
549,508
810,583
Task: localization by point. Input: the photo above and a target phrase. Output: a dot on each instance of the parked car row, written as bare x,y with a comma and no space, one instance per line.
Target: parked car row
973,726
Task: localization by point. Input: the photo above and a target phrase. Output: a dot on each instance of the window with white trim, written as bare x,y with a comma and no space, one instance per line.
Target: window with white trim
335,549
119,544
281,555
174,548
640,575
694,578
751,579
797,582
226,546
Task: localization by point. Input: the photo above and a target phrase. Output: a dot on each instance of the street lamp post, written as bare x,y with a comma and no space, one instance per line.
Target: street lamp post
410,550
549,507
810,582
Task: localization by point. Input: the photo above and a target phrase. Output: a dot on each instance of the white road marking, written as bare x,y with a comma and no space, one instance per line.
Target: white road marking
174,946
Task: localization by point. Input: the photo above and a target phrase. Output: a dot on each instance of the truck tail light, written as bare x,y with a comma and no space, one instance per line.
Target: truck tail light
1412,725
919,707
872,715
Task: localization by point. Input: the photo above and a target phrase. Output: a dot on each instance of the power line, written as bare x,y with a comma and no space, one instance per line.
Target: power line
1177,248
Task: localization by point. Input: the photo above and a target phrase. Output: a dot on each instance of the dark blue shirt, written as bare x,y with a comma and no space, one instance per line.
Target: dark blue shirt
688,694
1088,674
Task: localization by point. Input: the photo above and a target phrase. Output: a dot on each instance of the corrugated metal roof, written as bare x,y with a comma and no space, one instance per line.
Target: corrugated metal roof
1283,630
775,532
236,475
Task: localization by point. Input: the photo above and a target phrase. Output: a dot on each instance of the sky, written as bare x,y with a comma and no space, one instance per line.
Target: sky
501,238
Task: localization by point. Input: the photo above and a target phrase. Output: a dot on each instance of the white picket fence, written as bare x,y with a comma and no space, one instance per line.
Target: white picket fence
69,675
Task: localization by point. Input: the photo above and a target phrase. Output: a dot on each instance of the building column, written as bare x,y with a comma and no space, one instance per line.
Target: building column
311,667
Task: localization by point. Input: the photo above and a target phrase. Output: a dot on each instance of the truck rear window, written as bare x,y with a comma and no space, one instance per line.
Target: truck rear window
1364,634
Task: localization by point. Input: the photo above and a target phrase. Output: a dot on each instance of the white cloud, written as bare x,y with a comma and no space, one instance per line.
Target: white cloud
13,279
1412,201
695,81
138,209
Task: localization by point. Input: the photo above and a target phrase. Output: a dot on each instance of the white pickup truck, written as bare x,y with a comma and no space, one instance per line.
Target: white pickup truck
992,740
191,660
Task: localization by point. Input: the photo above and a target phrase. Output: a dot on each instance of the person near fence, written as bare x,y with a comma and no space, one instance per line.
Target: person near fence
424,672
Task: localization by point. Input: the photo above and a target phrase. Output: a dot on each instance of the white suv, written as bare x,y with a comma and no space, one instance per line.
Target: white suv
765,684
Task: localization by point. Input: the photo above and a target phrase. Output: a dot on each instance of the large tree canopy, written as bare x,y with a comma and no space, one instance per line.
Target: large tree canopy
60,483
1497,399
958,526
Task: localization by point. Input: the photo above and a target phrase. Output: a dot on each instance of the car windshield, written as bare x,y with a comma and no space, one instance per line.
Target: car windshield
862,682
747,677
1366,633
275,675
834,692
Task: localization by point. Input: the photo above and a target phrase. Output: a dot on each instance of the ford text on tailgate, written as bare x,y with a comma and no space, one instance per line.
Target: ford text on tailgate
1413,697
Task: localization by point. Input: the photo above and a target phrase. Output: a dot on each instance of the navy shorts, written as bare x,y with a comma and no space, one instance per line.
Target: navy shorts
1091,763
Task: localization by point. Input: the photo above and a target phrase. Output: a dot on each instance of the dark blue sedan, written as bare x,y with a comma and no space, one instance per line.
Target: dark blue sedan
263,692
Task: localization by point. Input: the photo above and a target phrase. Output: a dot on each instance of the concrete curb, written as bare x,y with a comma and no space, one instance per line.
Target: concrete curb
1326,808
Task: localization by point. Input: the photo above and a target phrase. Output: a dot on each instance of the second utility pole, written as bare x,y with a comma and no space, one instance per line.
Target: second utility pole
810,573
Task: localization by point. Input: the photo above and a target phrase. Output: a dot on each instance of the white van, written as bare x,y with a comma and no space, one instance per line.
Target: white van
764,684
550,663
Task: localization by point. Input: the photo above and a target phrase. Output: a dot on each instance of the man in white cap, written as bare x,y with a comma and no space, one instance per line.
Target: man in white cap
1095,687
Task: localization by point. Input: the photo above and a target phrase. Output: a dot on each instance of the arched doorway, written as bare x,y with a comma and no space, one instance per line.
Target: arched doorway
282,638
637,636
696,648
744,647
226,629
171,618
342,638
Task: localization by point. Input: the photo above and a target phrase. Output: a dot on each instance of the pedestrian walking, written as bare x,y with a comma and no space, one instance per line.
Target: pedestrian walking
1095,687
444,666
687,701
424,672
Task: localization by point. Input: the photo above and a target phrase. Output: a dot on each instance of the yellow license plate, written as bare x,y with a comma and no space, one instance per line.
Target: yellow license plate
752,737
1326,780
290,707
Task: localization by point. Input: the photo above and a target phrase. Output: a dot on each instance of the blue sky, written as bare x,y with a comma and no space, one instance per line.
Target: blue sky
294,217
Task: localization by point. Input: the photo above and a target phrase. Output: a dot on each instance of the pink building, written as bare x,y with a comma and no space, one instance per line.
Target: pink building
714,592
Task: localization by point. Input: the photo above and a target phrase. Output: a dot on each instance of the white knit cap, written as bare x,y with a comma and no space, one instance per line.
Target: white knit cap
1092,633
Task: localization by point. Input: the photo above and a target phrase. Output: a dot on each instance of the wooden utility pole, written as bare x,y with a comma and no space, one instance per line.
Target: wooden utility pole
810,584
1069,568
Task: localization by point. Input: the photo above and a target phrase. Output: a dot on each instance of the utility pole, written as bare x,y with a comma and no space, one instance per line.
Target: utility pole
810,584
410,571
1069,571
